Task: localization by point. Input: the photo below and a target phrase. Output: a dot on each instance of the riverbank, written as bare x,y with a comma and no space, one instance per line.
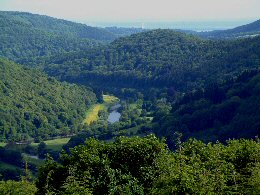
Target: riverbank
92,113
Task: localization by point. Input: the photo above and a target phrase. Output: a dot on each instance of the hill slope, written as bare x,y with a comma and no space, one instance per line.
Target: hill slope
59,26
217,112
247,30
159,58
25,36
122,32
33,105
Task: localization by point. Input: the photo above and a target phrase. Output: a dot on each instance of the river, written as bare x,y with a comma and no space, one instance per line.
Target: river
114,115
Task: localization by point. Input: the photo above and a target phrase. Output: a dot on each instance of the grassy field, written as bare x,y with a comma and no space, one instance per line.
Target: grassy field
92,113
55,144
110,99
2,144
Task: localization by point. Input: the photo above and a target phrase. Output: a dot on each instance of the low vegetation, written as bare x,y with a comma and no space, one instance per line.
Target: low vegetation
14,158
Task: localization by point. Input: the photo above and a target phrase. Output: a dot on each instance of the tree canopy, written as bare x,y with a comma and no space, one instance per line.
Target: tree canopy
34,105
158,58
146,166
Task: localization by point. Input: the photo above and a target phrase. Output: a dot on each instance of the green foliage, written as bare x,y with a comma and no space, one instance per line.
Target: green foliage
24,36
17,187
58,26
217,112
158,58
33,105
125,166
145,166
199,168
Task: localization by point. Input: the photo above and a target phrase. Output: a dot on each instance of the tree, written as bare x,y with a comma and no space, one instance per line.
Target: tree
126,166
17,187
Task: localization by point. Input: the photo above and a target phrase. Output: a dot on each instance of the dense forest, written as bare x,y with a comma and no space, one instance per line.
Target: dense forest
156,67
57,26
122,32
216,112
159,58
24,36
34,105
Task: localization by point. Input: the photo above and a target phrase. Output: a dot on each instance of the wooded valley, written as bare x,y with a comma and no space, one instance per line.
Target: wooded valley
188,106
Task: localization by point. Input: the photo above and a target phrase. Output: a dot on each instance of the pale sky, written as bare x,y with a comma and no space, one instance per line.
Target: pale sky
134,10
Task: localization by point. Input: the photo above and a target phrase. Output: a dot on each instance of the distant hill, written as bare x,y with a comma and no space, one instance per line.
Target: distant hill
122,32
248,30
34,105
158,58
59,26
25,36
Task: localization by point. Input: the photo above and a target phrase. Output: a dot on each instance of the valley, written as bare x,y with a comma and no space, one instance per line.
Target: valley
126,110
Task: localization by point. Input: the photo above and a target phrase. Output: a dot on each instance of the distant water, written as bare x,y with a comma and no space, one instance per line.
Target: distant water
193,25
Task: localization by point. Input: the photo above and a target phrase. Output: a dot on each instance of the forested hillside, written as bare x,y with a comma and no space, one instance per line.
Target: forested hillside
58,26
24,36
164,64
33,105
122,32
217,112
180,87
159,58
246,30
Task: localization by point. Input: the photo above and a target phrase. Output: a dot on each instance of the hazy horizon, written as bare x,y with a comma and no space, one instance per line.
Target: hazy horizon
202,15
184,25
195,25
116,11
